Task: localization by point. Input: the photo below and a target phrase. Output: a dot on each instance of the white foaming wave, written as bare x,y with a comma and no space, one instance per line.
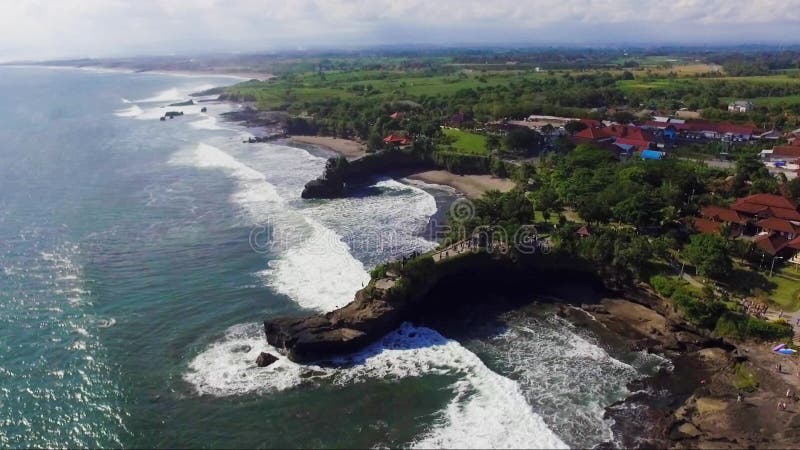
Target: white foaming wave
167,95
227,367
488,410
207,123
423,184
319,273
568,376
157,112
174,94
255,194
392,222
131,111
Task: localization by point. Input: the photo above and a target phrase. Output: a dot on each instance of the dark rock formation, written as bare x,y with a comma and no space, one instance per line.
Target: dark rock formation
186,103
422,287
267,138
172,114
203,109
339,172
264,359
212,91
323,188
254,118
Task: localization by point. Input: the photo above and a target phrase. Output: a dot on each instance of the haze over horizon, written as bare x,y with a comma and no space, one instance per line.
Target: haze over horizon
38,29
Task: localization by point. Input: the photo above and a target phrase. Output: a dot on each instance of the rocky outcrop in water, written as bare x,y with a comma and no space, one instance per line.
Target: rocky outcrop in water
339,172
265,359
402,293
186,103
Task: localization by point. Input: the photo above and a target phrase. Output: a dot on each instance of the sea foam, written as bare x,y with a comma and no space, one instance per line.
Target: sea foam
132,111
318,273
488,410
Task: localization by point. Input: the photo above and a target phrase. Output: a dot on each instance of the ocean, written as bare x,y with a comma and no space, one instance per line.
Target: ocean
139,257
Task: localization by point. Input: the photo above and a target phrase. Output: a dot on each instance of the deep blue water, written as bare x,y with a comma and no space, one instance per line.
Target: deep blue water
131,291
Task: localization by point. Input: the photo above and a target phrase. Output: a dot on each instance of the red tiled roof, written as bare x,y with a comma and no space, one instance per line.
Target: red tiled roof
622,134
794,243
591,133
584,231
722,128
591,123
786,151
395,139
639,144
719,213
771,243
773,200
785,213
775,224
749,208
706,226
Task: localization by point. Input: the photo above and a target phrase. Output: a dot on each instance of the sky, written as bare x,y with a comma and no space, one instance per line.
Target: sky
48,29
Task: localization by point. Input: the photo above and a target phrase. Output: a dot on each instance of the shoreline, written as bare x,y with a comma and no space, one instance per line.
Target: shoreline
243,76
346,147
472,186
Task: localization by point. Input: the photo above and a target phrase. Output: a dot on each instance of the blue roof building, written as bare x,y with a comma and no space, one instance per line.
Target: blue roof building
652,154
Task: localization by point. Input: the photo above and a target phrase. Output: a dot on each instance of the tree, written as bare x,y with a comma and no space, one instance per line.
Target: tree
498,168
492,142
709,254
374,142
524,173
575,126
624,117
793,188
521,141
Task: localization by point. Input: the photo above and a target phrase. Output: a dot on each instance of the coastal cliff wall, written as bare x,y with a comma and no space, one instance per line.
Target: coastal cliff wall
339,172
421,286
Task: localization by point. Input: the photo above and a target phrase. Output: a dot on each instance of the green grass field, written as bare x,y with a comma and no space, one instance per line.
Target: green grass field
466,142
770,101
381,85
787,290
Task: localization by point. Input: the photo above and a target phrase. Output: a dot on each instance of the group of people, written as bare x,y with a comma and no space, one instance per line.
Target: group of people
782,406
754,309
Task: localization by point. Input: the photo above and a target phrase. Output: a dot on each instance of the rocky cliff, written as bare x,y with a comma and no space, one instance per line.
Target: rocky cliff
406,292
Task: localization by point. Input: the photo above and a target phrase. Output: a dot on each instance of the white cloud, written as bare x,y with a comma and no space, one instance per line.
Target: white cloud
46,28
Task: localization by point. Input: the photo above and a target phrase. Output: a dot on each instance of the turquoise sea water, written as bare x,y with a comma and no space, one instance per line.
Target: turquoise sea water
133,283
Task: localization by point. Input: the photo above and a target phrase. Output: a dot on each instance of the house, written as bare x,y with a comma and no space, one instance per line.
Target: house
771,135
398,115
459,118
771,221
395,139
787,154
687,114
584,231
720,215
740,106
652,154
626,137
774,245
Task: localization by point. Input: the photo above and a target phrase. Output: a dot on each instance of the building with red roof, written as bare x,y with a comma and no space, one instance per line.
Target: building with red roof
773,220
628,137
774,225
774,244
705,226
395,139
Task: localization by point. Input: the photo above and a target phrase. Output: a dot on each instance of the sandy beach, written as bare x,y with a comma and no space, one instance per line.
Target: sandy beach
346,147
473,186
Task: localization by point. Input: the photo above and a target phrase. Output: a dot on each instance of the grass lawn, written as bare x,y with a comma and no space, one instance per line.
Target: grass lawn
770,101
787,290
466,142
